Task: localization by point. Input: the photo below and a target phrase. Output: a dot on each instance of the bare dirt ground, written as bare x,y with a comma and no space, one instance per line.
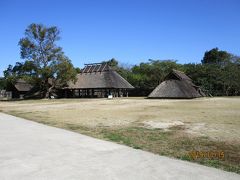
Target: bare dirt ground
126,120
217,118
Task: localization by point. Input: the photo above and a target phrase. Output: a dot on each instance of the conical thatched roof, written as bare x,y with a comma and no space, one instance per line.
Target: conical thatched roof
176,85
99,76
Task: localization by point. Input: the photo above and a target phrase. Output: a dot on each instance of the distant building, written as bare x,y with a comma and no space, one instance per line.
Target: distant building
177,85
97,80
19,88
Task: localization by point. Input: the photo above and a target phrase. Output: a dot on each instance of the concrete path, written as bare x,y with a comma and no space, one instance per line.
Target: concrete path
30,151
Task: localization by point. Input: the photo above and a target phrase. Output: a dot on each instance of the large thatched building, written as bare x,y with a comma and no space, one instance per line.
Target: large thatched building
177,85
97,80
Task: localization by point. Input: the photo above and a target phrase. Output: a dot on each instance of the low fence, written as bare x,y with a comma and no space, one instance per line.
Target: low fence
5,95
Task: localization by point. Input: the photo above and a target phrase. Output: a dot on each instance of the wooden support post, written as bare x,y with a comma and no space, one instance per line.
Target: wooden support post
87,92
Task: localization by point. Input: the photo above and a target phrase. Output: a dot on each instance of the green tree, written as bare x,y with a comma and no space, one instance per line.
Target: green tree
216,56
2,83
219,73
78,70
152,73
112,62
45,63
231,79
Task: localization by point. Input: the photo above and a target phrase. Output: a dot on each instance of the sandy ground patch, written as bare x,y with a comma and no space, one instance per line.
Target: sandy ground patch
162,125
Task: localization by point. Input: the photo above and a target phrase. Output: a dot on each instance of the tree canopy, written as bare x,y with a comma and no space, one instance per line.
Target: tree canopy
218,75
45,64
216,56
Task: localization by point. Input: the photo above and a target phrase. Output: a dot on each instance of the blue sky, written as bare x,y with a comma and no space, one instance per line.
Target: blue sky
132,31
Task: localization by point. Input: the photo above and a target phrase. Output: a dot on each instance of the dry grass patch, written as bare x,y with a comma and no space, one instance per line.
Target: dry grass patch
165,127
177,145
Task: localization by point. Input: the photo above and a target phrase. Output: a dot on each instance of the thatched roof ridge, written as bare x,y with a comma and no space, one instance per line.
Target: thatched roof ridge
178,74
95,67
99,76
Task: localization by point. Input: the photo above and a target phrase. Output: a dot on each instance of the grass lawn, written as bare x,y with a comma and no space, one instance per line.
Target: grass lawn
174,128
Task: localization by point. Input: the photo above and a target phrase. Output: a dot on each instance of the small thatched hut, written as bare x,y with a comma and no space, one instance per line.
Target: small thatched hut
176,85
98,80
19,88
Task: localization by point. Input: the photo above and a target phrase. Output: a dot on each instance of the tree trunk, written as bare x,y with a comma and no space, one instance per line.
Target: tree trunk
49,91
49,88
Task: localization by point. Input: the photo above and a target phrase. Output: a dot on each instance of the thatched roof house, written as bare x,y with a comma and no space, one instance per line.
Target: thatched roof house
22,86
98,80
19,88
176,85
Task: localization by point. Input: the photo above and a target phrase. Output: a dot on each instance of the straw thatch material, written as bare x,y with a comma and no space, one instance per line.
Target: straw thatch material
99,76
22,86
176,85
19,88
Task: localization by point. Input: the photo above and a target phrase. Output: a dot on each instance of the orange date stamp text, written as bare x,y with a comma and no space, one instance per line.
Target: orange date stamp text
207,155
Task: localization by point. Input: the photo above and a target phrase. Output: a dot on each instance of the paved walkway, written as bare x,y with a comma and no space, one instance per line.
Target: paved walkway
30,151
